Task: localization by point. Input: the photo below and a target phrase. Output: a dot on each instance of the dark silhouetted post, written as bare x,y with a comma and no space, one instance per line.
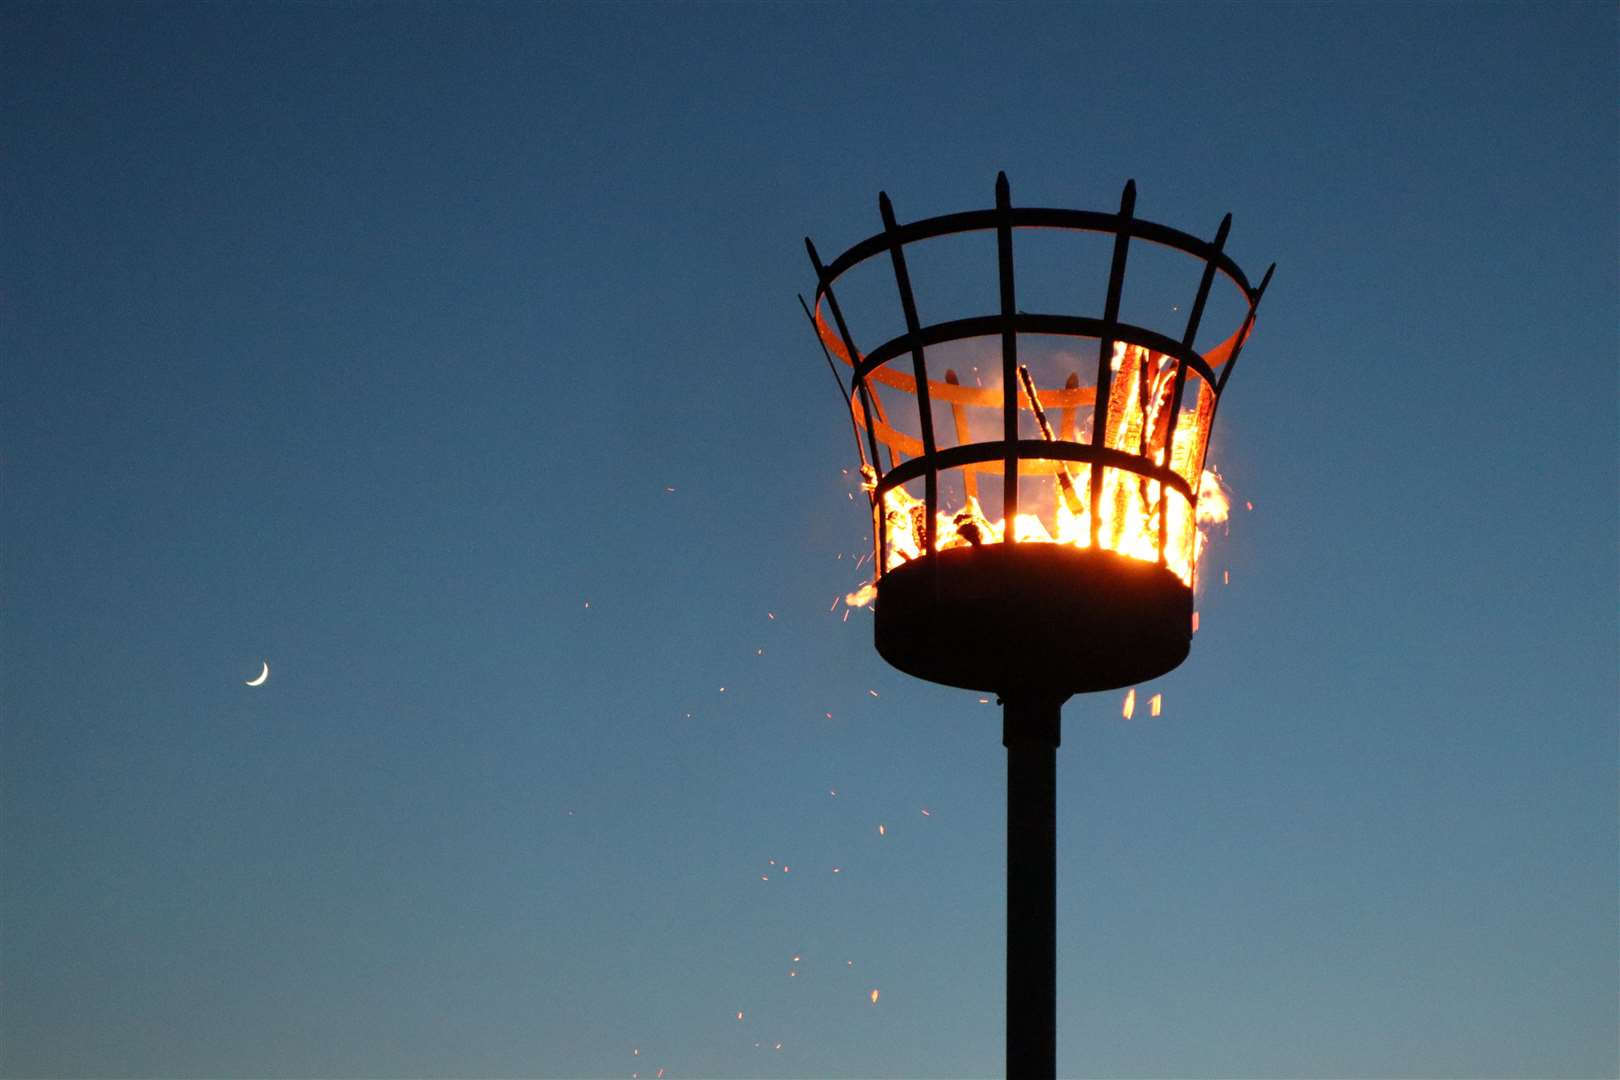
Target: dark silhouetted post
1030,729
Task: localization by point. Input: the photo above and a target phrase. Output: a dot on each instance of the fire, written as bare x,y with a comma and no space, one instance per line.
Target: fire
862,596
1129,506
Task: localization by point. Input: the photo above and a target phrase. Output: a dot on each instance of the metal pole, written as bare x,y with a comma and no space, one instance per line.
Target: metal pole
1031,730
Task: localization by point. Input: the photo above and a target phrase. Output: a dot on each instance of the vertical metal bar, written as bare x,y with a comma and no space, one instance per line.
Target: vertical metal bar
1031,731
1009,363
860,451
1248,324
1231,362
825,284
970,479
1194,317
1105,349
849,346
919,366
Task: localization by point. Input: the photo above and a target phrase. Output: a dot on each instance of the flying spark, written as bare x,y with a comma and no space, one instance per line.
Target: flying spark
882,831
874,997
1130,703
1153,704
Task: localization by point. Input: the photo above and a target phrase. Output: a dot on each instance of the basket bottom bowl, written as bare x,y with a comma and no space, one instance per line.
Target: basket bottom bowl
1016,618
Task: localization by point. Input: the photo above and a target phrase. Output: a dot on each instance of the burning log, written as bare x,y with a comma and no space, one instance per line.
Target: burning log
1071,498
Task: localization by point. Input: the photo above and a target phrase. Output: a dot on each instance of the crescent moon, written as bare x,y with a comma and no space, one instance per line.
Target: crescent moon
263,675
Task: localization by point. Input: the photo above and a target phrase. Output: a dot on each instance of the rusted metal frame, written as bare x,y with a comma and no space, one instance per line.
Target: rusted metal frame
1105,349
970,481
849,407
1046,218
1009,361
880,530
919,366
1194,317
1083,326
952,457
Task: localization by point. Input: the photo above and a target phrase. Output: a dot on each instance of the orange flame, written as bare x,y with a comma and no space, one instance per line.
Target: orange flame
1129,506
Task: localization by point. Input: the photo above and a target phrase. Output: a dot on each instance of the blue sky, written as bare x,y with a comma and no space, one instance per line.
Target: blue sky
367,341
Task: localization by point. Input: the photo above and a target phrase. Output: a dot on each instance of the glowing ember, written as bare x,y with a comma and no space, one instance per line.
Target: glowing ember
874,997
1130,703
882,831
1153,704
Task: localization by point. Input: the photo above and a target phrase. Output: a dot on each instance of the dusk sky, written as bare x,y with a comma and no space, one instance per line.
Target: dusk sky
447,359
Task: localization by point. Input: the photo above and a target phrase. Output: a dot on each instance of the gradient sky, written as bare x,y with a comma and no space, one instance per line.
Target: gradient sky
368,341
